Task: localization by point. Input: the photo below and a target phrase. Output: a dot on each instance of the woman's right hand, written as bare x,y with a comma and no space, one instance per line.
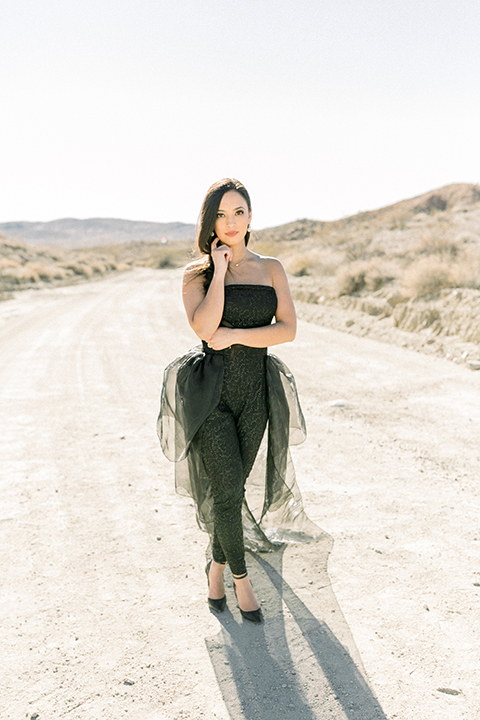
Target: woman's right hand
221,255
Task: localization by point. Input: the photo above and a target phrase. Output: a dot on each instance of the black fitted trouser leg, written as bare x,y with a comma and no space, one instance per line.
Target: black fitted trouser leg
229,448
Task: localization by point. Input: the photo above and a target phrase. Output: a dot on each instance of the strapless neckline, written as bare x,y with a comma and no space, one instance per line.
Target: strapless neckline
255,285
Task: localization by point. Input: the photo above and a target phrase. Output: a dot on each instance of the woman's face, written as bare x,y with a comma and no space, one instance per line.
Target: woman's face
233,218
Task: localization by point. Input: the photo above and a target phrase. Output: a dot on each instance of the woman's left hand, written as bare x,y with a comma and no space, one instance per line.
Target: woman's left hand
222,338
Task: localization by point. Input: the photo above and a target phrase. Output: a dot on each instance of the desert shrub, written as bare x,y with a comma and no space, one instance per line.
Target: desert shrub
16,259
322,261
297,265
81,268
368,275
334,237
34,272
438,242
156,255
378,274
169,258
97,266
7,263
427,276
357,248
351,278
467,270
21,274
397,218
49,271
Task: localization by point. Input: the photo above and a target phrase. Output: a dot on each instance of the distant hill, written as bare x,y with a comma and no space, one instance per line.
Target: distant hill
73,233
451,200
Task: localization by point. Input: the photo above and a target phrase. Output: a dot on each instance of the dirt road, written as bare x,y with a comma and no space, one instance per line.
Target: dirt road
103,610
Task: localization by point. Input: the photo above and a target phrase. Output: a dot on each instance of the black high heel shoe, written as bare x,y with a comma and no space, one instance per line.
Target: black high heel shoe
217,605
254,616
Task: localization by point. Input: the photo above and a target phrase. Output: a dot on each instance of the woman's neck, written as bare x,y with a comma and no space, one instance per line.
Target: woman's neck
239,255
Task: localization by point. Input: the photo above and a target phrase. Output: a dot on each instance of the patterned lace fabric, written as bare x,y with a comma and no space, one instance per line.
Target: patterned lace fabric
254,385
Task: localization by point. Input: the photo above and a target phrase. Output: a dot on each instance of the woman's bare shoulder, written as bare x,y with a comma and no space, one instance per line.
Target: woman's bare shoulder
274,270
272,265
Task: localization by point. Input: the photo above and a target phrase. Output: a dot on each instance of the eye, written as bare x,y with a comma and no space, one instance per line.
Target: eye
240,212
219,214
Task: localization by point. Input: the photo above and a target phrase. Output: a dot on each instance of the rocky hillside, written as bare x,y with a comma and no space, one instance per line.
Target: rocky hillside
451,200
412,266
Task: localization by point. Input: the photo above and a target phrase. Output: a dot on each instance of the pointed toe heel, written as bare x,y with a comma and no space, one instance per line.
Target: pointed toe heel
217,605
254,616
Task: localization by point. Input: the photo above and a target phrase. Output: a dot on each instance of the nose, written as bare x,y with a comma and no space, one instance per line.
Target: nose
231,221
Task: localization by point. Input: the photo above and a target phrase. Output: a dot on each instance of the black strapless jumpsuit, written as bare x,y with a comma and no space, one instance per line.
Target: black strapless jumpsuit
230,437
215,409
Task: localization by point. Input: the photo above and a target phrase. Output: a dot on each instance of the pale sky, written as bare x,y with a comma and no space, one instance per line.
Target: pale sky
131,109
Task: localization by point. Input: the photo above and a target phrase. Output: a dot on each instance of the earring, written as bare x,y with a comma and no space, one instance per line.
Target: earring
248,228
212,233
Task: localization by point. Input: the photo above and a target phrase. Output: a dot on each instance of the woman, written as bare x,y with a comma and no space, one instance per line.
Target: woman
218,401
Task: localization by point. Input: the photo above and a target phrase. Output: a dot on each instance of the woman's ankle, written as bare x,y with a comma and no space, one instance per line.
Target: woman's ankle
219,565
243,576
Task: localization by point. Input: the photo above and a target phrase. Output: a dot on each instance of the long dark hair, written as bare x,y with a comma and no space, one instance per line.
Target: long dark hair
208,217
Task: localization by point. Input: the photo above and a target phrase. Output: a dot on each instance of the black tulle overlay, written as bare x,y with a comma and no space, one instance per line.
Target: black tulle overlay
204,382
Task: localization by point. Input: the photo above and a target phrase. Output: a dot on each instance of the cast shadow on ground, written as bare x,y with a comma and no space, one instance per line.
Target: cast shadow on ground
296,664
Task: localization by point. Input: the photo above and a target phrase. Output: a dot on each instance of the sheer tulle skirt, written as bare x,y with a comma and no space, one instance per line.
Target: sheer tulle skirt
273,511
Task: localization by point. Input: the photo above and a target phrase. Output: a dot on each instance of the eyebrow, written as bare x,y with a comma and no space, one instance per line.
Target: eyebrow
240,207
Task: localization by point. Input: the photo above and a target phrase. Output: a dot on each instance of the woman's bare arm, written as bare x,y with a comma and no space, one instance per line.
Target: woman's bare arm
205,310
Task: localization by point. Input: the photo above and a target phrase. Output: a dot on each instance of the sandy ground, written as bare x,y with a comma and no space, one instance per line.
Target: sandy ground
103,589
